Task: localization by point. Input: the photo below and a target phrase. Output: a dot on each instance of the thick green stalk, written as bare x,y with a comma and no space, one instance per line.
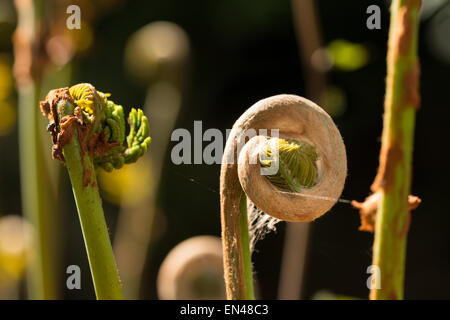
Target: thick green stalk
393,180
95,232
246,254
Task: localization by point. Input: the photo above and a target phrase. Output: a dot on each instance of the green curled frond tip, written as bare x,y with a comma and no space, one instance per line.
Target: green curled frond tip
107,122
296,165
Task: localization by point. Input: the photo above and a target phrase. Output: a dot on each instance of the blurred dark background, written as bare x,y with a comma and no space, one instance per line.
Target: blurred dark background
241,52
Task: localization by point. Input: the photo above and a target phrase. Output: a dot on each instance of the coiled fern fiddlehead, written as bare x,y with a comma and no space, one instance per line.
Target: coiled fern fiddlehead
88,131
312,166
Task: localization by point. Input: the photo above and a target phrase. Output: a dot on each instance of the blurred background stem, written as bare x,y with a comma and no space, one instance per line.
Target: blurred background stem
36,190
158,58
393,180
296,238
135,225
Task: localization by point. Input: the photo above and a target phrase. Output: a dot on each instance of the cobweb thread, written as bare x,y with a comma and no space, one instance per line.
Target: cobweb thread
259,224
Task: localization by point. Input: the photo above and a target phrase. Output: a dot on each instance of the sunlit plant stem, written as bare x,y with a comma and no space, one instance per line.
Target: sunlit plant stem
393,180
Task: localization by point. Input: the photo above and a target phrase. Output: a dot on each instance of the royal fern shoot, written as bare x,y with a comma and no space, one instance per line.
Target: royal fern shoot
88,132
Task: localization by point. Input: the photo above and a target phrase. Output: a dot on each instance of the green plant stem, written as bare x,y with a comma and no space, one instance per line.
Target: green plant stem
35,206
246,254
394,176
135,226
35,189
98,246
